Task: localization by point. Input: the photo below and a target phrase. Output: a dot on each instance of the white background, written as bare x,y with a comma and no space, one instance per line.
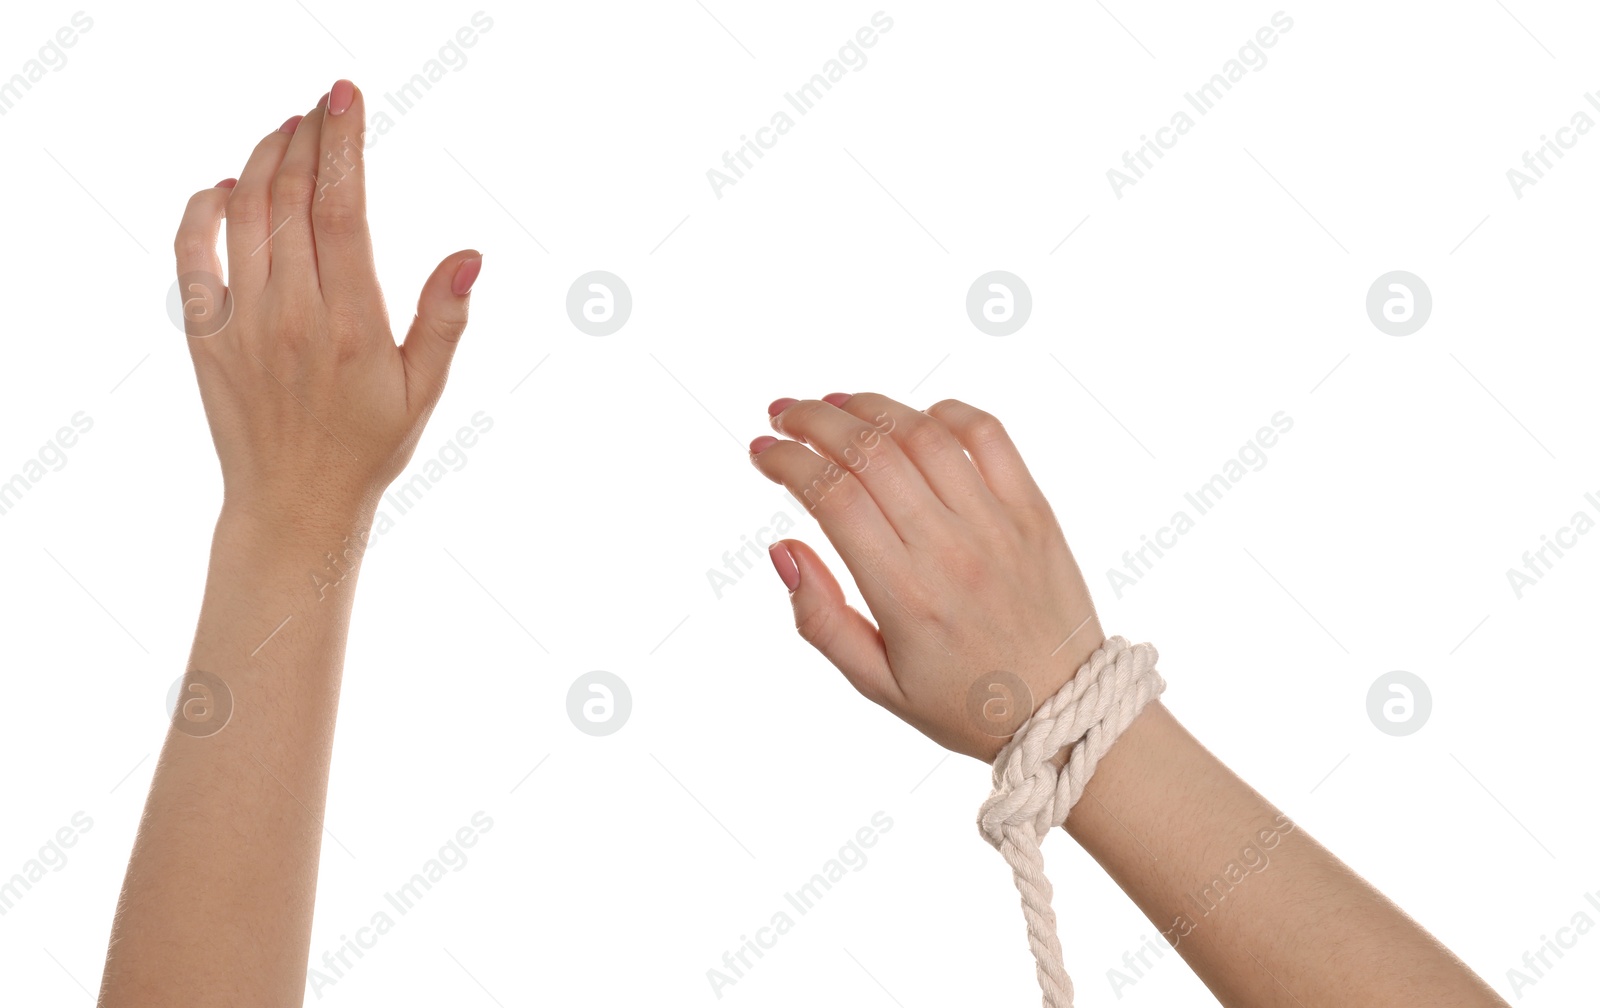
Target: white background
1227,285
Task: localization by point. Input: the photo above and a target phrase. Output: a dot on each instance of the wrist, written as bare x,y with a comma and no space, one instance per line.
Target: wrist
255,524
317,551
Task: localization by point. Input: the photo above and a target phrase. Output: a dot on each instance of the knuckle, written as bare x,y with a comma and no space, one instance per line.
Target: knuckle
447,330
293,186
192,244
816,627
246,208
335,218
921,436
986,428
832,487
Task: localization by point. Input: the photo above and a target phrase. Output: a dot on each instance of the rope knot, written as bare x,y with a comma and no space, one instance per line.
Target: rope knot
1031,796
1023,802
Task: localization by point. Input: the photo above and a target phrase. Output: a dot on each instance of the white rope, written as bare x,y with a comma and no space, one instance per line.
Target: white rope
1030,797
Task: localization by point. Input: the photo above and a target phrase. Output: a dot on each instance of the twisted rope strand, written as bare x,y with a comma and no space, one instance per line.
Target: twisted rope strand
1030,797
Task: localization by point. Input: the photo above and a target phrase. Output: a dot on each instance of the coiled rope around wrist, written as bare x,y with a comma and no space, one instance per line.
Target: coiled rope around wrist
1031,797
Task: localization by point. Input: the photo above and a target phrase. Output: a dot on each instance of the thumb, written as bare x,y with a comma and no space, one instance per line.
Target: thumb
827,623
441,319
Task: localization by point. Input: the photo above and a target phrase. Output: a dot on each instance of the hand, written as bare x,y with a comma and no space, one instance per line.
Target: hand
313,408
981,611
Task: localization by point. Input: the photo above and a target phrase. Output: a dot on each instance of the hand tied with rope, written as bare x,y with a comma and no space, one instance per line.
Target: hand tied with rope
1031,796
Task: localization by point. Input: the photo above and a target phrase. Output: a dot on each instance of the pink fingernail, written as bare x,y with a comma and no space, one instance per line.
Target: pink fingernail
761,444
837,398
340,96
466,275
290,123
227,183
783,563
323,101
779,405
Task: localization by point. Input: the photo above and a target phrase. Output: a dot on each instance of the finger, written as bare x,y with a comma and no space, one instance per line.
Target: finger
441,319
249,208
992,451
195,245
929,445
339,211
863,448
848,515
294,257
201,289
844,636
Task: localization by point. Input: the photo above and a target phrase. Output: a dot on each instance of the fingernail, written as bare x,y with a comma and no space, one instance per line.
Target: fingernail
837,398
466,275
783,563
227,183
323,101
340,97
779,405
761,444
290,123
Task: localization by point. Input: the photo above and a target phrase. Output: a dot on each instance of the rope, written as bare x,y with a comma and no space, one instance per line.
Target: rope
1030,797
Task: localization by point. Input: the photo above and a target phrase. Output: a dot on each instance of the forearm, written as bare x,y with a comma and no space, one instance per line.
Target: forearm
1262,913
217,902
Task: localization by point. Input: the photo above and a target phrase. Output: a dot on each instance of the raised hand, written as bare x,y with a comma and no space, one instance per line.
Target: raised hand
981,612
